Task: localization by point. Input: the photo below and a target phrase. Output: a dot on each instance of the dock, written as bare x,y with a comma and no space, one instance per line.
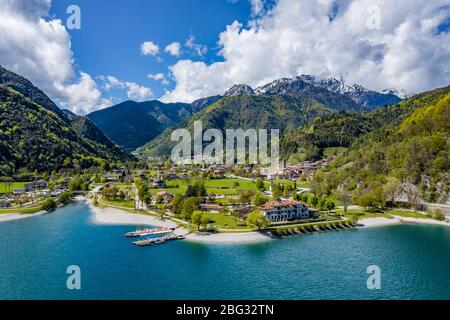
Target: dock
147,232
155,241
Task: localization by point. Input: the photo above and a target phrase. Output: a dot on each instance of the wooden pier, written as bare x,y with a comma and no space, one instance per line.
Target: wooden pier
155,241
147,232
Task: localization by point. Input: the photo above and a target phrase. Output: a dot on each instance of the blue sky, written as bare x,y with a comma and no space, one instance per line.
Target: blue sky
111,33
378,44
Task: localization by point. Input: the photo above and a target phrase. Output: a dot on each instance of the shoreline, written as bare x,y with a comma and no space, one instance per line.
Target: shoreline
115,216
381,222
224,238
5,217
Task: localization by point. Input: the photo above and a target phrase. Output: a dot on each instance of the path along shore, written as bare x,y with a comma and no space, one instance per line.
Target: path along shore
116,216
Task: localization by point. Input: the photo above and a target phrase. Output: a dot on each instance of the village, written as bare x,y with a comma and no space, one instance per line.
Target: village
228,195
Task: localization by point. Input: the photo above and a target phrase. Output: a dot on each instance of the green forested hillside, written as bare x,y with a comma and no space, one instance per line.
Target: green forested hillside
35,136
338,130
413,149
244,111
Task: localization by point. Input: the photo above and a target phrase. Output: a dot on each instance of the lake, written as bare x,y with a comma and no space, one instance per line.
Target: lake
414,261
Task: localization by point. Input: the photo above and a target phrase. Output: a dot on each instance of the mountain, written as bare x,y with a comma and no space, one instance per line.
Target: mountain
330,92
402,94
87,129
303,90
233,112
132,124
199,104
140,123
36,134
412,148
238,90
368,99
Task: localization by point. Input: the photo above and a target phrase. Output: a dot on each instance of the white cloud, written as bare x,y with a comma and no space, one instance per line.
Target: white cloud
198,49
156,76
149,48
40,50
327,38
134,91
137,92
159,77
257,7
174,49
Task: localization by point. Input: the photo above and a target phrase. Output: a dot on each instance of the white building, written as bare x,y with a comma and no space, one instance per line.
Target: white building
285,211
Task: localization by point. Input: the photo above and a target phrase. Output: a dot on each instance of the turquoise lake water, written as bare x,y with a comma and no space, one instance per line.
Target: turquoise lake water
35,253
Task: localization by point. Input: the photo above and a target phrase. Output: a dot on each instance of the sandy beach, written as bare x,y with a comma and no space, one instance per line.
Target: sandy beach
237,237
108,215
380,221
16,216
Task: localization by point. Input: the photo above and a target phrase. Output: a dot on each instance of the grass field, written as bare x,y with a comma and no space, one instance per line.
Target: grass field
409,214
128,204
223,221
358,214
214,186
25,210
7,187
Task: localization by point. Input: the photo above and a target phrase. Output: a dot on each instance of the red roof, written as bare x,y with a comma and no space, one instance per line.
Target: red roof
271,205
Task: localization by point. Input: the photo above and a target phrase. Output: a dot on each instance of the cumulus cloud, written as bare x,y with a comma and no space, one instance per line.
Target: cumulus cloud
327,38
159,77
40,50
257,7
197,49
174,49
149,48
133,90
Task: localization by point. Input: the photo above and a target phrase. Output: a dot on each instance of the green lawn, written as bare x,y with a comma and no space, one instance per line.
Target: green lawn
213,186
363,214
7,187
409,214
118,203
223,221
24,210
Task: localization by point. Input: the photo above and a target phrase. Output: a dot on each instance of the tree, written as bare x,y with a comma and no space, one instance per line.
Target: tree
177,204
198,219
345,196
321,203
391,188
260,184
65,198
257,219
245,196
49,205
329,205
204,220
189,206
313,200
438,215
259,200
